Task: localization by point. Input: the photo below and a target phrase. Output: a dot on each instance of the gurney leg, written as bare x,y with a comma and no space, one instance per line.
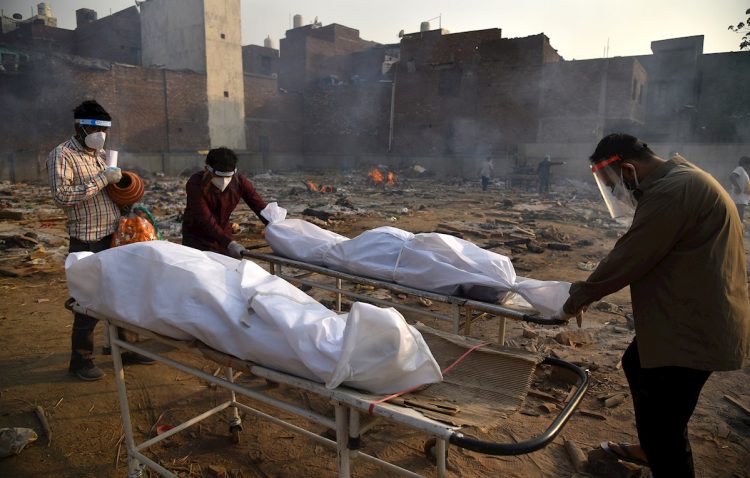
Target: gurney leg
456,318
235,424
440,453
342,439
501,332
134,466
354,431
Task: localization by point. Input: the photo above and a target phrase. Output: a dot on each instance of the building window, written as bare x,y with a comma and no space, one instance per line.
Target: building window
226,94
223,36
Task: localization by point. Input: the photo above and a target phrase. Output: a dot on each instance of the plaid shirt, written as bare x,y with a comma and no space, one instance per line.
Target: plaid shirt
77,180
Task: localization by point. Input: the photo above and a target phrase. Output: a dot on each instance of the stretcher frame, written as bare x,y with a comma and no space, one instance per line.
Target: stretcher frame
462,309
350,406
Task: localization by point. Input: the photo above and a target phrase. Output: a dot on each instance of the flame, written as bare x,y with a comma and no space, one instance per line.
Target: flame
312,186
319,188
376,175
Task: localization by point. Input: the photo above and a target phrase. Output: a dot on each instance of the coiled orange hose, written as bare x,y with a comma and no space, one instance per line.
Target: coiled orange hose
128,191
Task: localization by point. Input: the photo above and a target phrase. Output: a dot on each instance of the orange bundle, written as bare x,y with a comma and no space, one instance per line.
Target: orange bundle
135,227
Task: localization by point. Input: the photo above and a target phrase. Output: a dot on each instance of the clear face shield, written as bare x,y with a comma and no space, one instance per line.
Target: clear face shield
618,198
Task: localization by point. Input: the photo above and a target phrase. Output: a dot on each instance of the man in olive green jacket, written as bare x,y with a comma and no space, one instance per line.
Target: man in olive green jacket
684,260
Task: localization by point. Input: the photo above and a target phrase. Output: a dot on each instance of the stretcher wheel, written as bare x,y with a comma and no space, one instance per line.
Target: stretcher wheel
429,451
235,430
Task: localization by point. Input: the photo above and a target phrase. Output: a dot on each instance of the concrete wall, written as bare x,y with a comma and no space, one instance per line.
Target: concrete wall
224,76
173,34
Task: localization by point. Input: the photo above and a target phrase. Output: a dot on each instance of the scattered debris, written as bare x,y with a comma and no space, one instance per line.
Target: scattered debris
14,440
574,337
587,266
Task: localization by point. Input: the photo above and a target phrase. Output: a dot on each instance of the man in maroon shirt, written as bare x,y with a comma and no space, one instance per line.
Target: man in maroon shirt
212,195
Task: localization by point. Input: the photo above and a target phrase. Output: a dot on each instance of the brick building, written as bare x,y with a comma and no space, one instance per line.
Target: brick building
312,53
327,91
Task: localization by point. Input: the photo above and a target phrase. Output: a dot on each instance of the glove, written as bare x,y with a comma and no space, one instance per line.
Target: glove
235,249
562,315
113,175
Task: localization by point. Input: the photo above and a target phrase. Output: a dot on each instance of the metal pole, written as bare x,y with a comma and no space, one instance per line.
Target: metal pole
235,420
456,317
342,439
501,332
393,109
134,467
338,295
440,449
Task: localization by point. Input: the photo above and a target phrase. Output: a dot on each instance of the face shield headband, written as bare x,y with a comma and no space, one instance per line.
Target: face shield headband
94,122
618,198
223,174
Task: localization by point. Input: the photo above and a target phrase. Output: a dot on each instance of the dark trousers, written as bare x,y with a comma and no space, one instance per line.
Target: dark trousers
82,337
485,182
543,184
664,399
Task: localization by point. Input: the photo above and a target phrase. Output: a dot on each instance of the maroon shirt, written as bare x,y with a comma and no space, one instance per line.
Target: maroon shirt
205,224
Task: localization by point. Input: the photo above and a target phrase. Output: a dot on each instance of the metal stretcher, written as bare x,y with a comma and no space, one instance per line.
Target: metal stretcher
485,383
464,311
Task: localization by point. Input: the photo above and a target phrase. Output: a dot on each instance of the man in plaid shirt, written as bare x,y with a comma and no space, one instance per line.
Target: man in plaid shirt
78,176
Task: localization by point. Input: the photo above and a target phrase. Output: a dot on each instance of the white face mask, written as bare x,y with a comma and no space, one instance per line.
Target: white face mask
95,140
221,182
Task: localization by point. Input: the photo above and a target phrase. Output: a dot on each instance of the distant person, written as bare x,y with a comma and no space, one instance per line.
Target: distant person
78,176
212,196
684,260
741,185
488,169
543,172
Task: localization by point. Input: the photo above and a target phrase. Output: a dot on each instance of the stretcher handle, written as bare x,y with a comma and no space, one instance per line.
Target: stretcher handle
538,319
538,442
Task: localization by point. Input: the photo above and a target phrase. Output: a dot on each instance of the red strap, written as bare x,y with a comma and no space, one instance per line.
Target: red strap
444,371
596,167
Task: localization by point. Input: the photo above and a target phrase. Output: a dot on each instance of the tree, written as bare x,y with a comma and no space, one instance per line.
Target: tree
743,27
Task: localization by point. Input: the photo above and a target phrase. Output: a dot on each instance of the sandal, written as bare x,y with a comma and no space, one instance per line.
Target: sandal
620,451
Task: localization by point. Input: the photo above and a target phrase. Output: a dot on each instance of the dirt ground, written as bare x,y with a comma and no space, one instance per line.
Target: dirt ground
84,418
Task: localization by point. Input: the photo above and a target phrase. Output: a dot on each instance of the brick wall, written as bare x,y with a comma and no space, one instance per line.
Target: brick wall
273,119
260,60
582,100
723,77
349,119
309,54
116,38
43,94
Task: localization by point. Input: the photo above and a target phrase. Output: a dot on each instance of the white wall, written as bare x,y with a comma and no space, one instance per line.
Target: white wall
173,34
226,115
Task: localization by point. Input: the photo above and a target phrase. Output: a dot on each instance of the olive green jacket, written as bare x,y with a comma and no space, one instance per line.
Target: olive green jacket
684,260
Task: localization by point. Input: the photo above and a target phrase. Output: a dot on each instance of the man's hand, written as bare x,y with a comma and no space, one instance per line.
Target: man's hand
113,175
235,249
562,315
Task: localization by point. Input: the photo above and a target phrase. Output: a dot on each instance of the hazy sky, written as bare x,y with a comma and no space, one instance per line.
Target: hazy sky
578,29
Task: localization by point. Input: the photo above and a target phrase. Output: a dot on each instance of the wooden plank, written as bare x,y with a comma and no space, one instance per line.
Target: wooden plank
737,403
